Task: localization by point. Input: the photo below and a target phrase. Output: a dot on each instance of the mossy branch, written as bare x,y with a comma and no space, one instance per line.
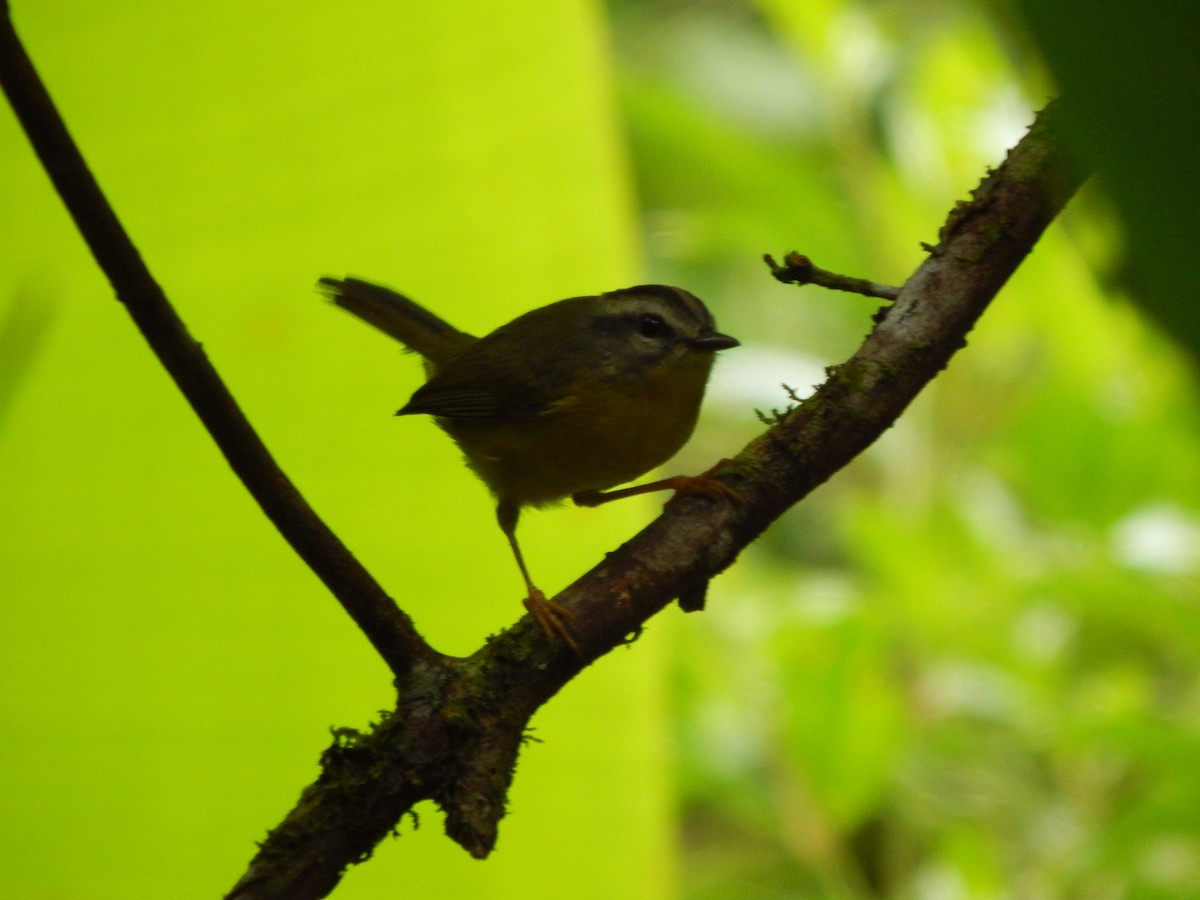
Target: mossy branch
458,724
456,731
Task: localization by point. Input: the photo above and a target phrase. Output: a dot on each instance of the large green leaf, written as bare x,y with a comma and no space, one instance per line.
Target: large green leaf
170,670
1130,73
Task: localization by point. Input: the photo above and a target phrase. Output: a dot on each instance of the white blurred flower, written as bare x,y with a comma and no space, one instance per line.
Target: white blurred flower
1159,538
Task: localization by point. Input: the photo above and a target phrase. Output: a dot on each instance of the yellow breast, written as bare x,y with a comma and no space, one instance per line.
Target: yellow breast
596,438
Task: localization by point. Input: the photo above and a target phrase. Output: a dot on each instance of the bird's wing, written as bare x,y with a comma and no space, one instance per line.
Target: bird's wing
488,380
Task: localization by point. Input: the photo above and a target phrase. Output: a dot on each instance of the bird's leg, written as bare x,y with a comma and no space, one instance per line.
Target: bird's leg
554,619
693,599
680,484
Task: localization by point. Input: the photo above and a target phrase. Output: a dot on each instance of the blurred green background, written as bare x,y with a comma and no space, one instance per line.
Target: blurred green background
967,667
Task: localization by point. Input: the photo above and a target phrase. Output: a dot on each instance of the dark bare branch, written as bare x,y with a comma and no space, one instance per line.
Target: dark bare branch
799,269
385,625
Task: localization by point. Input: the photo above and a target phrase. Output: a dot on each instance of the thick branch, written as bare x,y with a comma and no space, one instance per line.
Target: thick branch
386,626
455,738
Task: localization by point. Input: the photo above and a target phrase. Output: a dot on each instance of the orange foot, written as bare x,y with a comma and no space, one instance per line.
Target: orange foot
706,484
554,619
682,485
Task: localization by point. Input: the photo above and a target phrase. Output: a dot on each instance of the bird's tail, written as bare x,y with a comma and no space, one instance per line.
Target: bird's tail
395,315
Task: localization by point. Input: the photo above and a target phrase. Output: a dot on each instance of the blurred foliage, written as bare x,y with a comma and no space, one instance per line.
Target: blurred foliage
968,666
964,668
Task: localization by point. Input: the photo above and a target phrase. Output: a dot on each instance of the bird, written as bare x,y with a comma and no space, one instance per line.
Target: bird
569,399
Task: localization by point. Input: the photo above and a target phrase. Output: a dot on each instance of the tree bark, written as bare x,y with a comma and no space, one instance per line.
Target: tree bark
458,724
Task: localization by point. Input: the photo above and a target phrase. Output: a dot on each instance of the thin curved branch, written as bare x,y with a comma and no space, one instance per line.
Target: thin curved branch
390,631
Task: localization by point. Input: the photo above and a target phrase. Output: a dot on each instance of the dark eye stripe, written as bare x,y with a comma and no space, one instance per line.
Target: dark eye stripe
688,305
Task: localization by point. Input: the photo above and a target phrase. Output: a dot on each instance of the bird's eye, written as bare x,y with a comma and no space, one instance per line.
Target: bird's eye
651,325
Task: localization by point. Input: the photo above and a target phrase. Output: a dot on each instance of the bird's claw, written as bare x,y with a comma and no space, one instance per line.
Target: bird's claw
554,619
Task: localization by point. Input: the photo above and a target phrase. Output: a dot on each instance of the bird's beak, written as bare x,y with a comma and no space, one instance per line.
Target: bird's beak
713,341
